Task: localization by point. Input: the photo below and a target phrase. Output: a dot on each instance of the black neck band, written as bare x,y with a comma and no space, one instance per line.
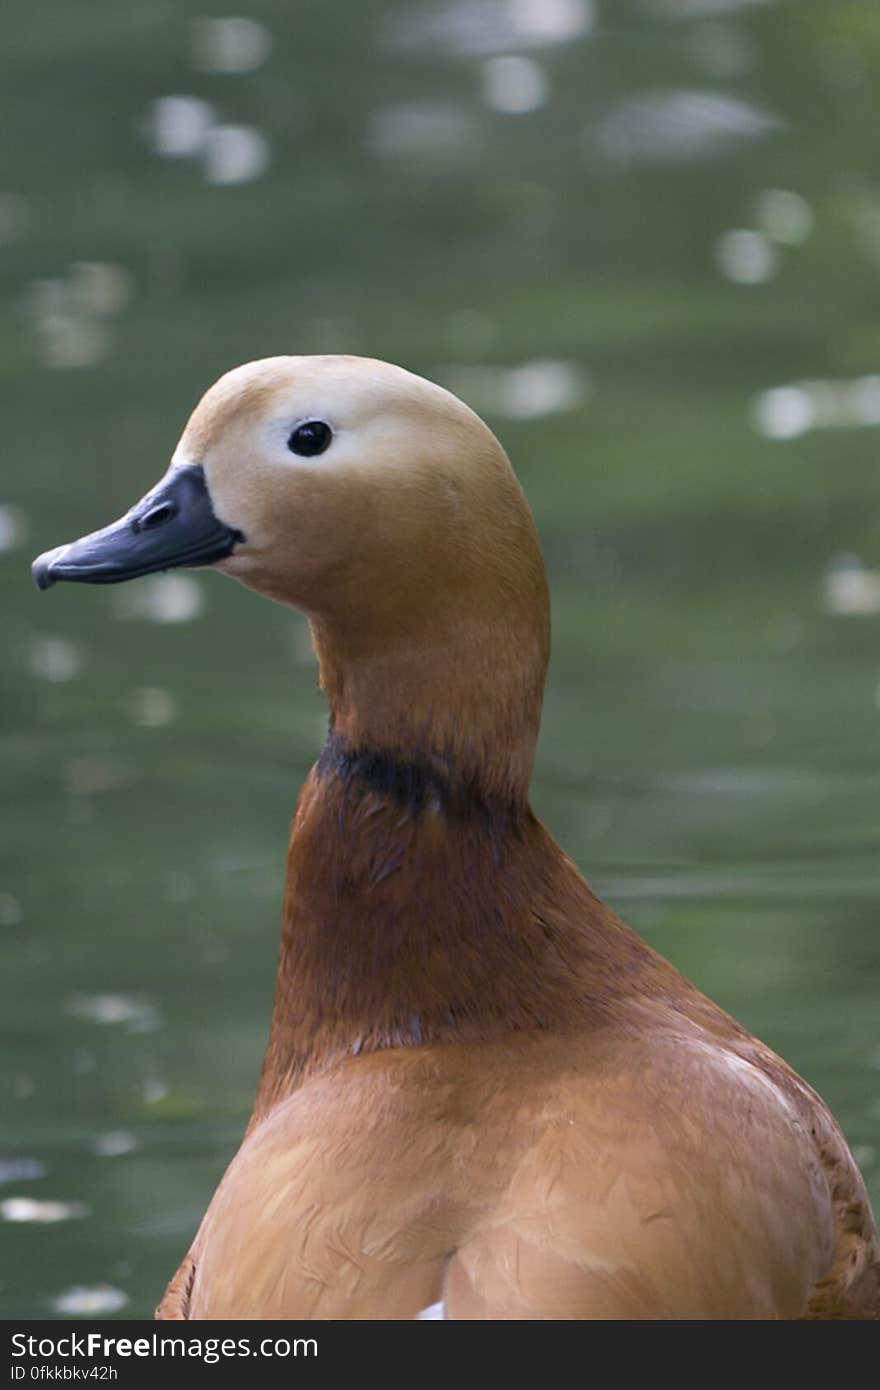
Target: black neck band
416,785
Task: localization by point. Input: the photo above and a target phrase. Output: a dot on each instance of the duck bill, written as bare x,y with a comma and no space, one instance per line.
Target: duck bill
173,526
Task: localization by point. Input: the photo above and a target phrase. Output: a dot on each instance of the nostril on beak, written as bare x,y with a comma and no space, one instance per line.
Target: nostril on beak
156,516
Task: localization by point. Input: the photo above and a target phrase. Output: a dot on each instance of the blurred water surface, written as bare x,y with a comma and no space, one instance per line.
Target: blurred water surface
644,238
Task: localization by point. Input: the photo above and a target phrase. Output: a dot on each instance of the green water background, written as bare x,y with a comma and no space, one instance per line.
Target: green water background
711,741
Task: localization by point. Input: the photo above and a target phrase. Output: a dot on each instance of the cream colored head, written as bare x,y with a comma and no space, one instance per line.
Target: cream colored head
412,501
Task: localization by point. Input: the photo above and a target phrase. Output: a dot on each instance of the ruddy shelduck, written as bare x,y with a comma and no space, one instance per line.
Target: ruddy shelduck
483,1095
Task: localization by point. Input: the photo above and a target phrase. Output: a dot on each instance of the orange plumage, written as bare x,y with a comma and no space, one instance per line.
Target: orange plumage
481,1090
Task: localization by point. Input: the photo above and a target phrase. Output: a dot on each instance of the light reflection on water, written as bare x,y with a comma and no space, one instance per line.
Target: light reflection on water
526,391
786,412
514,85
99,1301
480,27
677,125
644,239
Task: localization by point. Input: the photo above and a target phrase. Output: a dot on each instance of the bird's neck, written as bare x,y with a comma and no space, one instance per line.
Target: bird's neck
460,695
424,902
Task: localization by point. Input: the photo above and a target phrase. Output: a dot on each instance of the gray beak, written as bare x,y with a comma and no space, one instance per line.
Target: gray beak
173,526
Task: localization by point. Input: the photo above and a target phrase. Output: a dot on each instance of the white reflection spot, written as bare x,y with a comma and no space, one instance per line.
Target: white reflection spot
154,1090
20,1209
179,125
138,1015
153,707
161,598
849,589
514,85
100,287
115,1143
677,125
55,659
74,342
235,154
784,216
542,388
13,526
551,21
784,412
481,27
89,1302
746,257
232,44
70,315
525,392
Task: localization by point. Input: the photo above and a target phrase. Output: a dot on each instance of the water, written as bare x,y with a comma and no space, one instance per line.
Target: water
572,212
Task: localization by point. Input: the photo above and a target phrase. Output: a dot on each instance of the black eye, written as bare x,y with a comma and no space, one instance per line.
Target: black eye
311,438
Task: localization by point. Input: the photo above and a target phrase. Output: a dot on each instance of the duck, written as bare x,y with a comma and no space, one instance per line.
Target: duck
484,1097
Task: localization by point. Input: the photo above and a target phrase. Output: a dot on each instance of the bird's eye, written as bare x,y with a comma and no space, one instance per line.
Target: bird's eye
311,438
